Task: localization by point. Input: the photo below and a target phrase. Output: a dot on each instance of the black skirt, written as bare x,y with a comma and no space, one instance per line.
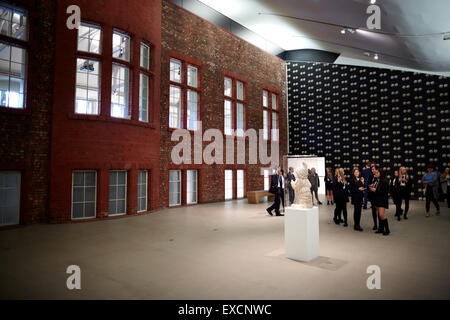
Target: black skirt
381,201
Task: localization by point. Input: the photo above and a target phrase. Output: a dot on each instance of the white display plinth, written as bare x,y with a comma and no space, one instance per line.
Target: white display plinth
301,233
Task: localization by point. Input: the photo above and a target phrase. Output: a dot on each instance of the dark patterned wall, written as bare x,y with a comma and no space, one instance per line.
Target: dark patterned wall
351,114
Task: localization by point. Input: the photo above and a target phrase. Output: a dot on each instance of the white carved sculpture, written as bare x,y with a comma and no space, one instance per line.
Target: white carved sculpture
302,188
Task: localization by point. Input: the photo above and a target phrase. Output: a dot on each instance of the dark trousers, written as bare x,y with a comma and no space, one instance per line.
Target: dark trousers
357,213
282,196
276,205
316,192
341,208
374,214
366,195
291,194
398,206
406,204
430,198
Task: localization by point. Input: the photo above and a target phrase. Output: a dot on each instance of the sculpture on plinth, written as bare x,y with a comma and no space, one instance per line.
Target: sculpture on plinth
302,188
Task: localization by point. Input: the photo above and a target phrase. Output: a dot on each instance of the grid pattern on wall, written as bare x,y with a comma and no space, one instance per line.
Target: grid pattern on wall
351,114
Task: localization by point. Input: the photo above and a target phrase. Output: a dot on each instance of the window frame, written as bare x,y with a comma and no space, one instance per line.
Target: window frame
71,194
25,45
270,110
146,192
149,73
184,88
126,193
196,187
234,102
181,188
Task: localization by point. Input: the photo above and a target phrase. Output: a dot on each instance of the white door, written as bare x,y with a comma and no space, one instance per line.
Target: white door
9,198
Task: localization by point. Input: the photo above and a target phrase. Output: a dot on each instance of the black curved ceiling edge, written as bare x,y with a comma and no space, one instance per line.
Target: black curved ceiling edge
309,55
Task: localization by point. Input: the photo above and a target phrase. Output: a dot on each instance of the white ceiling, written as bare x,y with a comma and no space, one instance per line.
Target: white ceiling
411,35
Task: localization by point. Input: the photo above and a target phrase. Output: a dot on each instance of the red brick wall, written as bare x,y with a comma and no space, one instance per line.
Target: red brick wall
100,142
25,134
219,52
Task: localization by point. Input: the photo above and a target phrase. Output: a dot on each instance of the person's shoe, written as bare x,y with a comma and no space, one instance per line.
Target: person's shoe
375,227
328,203
333,203
386,227
358,228
269,212
405,217
381,227
345,224
399,217
280,215
427,215
320,203
336,221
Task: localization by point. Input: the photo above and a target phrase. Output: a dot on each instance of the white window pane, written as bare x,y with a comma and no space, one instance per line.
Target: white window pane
142,191
228,184
117,192
120,92
13,22
240,90
228,117
89,38
192,111
266,180
274,126
121,46
145,56
240,183
266,124
192,76
228,86
174,187
191,187
274,101
175,107
87,87
265,98
143,98
84,194
12,76
175,70
240,120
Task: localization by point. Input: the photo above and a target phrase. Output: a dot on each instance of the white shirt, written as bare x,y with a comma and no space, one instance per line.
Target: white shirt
282,182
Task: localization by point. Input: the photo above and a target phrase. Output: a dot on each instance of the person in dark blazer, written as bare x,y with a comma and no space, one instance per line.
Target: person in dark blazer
283,193
340,193
277,188
405,187
430,182
394,192
329,186
313,178
356,188
380,191
371,195
366,173
289,178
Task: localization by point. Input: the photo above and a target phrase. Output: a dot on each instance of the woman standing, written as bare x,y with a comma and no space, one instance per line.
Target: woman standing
340,197
404,190
395,194
445,185
357,194
430,183
371,195
329,186
381,200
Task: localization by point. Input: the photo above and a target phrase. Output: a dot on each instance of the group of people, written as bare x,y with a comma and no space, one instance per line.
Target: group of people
369,185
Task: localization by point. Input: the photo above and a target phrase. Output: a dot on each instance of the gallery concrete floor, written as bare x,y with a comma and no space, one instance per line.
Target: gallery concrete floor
229,250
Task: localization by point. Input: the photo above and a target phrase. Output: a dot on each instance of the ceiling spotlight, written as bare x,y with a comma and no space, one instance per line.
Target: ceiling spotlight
343,31
373,1
375,56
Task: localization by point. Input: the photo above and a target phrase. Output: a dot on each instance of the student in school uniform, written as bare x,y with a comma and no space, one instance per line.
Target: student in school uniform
394,192
380,191
340,193
329,186
405,187
356,188
371,195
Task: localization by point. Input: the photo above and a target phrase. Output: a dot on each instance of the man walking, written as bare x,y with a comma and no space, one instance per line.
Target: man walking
290,177
276,187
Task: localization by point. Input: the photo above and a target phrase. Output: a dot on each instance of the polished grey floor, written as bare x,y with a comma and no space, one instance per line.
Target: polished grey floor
230,250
